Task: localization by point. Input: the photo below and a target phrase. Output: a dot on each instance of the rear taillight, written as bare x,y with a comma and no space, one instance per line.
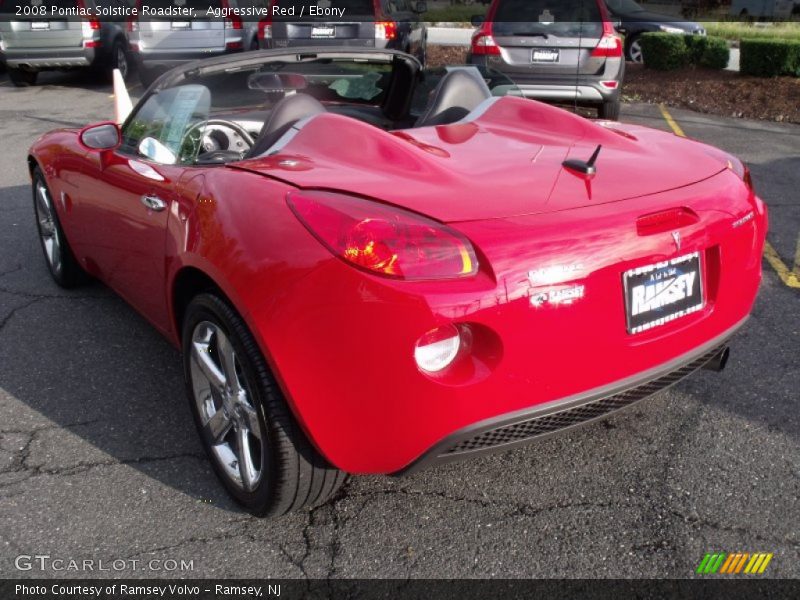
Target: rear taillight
385,30
133,25
610,45
483,43
265,29
384,240
231,21
88,25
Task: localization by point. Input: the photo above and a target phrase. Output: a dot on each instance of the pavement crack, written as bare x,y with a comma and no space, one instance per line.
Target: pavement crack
14,311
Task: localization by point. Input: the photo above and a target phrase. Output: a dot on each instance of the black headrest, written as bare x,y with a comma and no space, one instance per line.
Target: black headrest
458,93
285,113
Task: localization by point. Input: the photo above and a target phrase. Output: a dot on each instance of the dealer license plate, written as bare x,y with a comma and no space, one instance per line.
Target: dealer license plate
545,55
323,32
40,25
181,25
660,293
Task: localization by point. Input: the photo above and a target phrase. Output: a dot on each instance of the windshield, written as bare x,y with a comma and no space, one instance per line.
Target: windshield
561,18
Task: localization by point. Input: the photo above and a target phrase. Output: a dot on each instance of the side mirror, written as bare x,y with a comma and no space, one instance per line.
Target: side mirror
477,20
156,151
421,7
103,136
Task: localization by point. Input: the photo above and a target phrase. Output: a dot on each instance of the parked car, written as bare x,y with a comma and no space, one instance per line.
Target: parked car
161,44
393,24
41,40
366,282
557,50
634,20
765,9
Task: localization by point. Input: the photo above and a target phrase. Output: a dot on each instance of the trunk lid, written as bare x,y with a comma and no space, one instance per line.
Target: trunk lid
507,162
47,30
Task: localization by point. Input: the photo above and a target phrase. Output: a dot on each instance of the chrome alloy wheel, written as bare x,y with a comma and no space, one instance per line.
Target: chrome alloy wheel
230,420
121,61
635,51
48,232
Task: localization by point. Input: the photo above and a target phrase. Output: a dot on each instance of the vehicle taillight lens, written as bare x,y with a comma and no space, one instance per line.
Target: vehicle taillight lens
483,43
385,30
133,25
610,45
384,240
231,21
438,348
265,29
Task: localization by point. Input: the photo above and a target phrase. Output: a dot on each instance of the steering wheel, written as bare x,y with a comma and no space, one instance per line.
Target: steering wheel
210,123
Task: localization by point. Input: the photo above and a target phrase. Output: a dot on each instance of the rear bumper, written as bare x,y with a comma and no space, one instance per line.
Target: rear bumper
507,431
583,88
50,58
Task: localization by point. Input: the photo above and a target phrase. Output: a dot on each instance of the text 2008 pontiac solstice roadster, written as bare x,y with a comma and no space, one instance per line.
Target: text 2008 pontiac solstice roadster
371,267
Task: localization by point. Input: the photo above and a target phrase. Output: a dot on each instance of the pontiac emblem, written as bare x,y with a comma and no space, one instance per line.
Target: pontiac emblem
676,237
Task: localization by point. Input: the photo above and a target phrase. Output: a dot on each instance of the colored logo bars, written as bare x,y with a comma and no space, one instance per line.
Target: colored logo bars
734,563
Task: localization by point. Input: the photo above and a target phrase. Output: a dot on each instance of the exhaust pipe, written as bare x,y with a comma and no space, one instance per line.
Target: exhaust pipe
719,360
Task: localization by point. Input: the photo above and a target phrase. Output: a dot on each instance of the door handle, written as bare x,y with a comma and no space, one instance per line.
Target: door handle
154,203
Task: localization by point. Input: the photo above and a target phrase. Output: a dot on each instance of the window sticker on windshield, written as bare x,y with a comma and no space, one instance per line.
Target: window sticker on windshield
362,88
547,18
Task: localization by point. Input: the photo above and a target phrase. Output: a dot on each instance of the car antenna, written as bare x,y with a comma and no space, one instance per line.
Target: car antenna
584,167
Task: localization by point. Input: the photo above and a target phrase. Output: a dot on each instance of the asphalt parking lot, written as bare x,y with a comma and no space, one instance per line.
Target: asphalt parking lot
99,457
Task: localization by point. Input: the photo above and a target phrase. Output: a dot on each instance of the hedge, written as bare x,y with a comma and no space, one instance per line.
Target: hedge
667,51
770,58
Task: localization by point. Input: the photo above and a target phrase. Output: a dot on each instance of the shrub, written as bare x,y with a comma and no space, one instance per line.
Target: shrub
716,54
664,51
770,58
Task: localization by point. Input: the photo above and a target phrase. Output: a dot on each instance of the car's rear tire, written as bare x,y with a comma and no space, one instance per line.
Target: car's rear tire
610,110
253,441
633,49
121,59
22,77
63,266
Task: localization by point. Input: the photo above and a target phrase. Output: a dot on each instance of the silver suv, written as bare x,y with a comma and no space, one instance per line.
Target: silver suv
37,35
557,50
161,44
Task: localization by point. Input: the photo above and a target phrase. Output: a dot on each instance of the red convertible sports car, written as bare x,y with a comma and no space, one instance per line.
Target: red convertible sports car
371,267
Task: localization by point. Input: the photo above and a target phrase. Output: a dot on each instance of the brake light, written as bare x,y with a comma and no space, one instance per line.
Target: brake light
88,25
384,240
265,29
231,21
610,45
133,25
666,220
483,42
385,30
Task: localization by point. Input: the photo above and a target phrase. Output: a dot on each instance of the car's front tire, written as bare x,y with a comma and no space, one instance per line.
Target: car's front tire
22,77
255,444
63,266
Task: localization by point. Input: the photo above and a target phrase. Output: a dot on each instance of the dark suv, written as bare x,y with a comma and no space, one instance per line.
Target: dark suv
41,39
393,24
558,50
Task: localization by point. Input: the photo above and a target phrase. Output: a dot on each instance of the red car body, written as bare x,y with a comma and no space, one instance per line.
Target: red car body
341,340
